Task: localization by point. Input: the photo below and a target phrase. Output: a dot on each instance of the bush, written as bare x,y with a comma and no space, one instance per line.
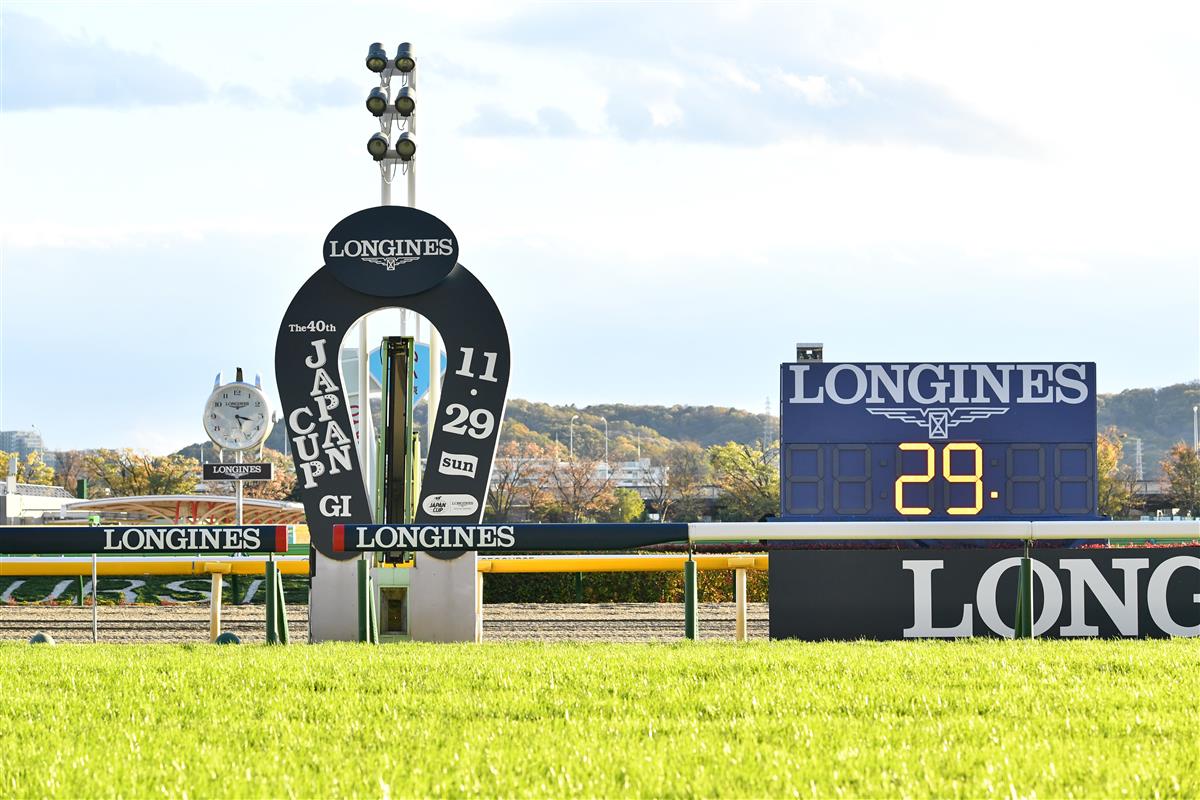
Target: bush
716,586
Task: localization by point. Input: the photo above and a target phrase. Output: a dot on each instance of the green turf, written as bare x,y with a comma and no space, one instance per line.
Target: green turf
972,718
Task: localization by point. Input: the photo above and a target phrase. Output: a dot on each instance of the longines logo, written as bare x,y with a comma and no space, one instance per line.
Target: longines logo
390,253
937,422
941,384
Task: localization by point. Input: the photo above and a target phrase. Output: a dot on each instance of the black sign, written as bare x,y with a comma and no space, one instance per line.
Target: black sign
903,594
144,539
391,251
505,537
238,472
309,378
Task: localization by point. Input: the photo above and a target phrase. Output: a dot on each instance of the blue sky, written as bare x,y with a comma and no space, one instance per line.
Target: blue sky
662,198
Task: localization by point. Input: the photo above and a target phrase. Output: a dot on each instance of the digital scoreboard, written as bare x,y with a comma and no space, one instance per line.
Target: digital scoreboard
937,441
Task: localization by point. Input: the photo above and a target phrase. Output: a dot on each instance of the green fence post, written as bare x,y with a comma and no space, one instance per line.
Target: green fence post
80,601
281,620
363,601
272,614
578,587
691,593
372,612
237,588
1023,624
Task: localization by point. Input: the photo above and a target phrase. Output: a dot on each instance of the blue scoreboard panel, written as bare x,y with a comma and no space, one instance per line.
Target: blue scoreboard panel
937,441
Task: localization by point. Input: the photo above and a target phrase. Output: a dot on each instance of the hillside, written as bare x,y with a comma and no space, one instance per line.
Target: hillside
1160,417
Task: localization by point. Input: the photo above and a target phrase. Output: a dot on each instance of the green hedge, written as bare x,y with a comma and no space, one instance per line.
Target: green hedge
716,586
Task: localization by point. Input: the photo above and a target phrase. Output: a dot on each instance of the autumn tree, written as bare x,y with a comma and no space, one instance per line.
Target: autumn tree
674,487
69,467
1181,470
1115,481
577,492
626,506
748,479
127,472
32,469
520,473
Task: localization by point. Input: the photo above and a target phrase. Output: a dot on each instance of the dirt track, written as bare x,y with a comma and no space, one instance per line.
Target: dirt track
601,622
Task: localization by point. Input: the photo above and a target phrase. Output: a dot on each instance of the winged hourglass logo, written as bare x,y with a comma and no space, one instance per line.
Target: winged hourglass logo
391,262
937,422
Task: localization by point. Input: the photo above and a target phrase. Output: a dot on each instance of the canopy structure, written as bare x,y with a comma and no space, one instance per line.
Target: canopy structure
194,509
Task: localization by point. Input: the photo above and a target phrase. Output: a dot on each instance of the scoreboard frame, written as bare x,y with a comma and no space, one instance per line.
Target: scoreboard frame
937,441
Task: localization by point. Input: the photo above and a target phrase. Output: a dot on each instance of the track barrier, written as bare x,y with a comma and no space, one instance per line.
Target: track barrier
158,539
518,537
493,541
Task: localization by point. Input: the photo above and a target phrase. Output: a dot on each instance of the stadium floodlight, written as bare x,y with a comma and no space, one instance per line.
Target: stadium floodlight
405,62
406,102
377,146
377,102
406,146
377,60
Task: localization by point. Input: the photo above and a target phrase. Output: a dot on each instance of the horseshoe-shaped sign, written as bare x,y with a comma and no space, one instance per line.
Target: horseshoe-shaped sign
391,257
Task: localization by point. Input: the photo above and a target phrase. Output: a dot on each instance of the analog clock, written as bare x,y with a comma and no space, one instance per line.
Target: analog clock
237,416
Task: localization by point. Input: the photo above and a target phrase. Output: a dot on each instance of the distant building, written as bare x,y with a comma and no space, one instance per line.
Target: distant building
21,442
29,504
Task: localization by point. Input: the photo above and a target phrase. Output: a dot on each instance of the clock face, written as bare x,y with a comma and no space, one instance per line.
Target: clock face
236,416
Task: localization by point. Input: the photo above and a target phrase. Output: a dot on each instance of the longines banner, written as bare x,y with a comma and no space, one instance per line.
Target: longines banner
142,540
238,472
391,257
904,594
505,537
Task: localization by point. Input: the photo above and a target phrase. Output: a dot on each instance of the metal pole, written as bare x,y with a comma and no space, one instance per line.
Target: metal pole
691,594
571,433
214,608
739,597
238,495
95,618
605,421
1196,427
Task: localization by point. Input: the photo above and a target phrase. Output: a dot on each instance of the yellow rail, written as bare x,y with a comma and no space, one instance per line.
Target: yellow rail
65,567
298,565
618,563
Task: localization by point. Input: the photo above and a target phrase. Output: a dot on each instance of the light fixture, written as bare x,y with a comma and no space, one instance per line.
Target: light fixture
404,58
377,102
406,102
377,59
377,146
406,146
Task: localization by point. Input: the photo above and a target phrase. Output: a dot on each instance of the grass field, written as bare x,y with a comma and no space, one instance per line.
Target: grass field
971,718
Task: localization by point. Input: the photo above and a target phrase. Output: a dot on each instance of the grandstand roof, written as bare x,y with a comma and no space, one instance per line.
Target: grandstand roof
195,509
36,490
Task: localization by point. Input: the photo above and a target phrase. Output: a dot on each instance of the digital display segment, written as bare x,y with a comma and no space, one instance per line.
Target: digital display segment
938,441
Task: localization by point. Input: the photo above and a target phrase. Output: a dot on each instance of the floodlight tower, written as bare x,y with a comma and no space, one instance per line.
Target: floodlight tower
400,110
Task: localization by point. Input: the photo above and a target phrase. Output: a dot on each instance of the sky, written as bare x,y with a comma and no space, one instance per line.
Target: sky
662,198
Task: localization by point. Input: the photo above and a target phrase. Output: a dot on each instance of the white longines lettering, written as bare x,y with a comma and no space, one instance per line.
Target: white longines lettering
939,397
940,384
158,539
390,253
1086,584
322,446
432,537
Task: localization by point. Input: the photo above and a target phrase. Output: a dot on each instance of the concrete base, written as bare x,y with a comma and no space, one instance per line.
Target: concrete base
333,601
445,601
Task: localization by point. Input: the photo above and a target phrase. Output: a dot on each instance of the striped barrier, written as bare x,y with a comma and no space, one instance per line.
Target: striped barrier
158,539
